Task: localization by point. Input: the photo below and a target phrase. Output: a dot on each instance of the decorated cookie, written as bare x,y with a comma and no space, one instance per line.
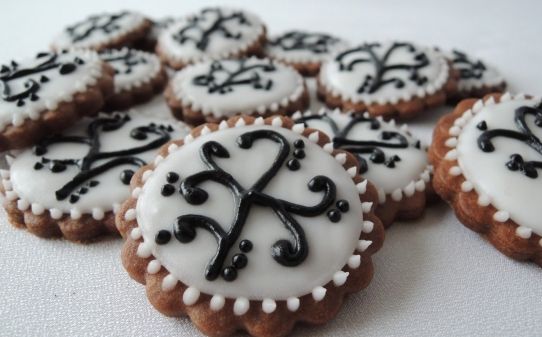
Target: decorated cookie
138,77
216,90
104,31
211,34
48,93
476,78
305,51
251,225
71,184
388,155
389,79
487,166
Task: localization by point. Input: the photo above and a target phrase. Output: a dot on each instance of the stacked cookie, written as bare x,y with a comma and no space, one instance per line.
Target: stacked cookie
244,210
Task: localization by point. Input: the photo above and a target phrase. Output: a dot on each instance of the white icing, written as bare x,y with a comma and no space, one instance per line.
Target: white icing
219,45
59,88
144,68
409,169
277,51
489,77
126,24
513,194
39,186
330,244
286,84
346,83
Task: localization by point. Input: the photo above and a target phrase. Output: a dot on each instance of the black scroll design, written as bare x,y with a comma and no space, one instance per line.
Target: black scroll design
373,148
87,170
287,252
221,80
382,66
32,76
107,23
468,69
200,33
525,135
123,62
296,40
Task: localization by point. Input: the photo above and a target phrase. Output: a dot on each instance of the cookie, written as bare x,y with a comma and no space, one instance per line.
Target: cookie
211,34
48,93
476,78
305,51
216,90
388,156
71,184
389,79
250,225
104,31
138,77
486,157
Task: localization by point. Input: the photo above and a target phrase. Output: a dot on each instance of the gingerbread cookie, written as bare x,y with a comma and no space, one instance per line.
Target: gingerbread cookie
389,79
250,225
486,155
213,33
71,184
216,90
476,78
388,155
104,31
305,51
138,77
48,93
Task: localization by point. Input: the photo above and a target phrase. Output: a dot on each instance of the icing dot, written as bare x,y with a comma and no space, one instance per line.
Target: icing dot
292,303
343,206
154,267
241,306
299,153
167,190
126,176
245,246
217,302
299,143
293,164
162,237
229,273
73,198
269,306
172,177
67,68
38,166
190,296
334,215
239,261
57,167
319,293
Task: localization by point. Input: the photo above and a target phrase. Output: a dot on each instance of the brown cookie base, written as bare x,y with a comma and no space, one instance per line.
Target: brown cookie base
196,117
87,103
459,95
401,110
145,92
255,49
257,323
307,69
502,235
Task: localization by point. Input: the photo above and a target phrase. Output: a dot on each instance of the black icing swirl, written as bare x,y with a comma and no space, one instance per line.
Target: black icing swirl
104,23
123,61
316,43
287,252
88,171
383,66
468,69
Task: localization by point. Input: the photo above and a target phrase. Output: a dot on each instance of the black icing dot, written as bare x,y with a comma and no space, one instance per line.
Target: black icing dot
20,102
377,157
93,183
299,143
57,167
138,134
229,274
195,196
38,166
299,154
245,246
126,176
172,177
83,190
162,237
293,164
74,198
343,205
44,79
167,190
239,261
418,144
482,125
5,69
334,215
182,232
67,68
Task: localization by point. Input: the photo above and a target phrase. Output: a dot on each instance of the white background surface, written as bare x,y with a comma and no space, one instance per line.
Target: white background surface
433,277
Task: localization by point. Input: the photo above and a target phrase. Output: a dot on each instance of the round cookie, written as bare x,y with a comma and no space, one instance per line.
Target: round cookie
211,34
48,93
138,77
305,51
389,79
71,184
216,90
104,31
476,78
263,230
388,156
486,156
